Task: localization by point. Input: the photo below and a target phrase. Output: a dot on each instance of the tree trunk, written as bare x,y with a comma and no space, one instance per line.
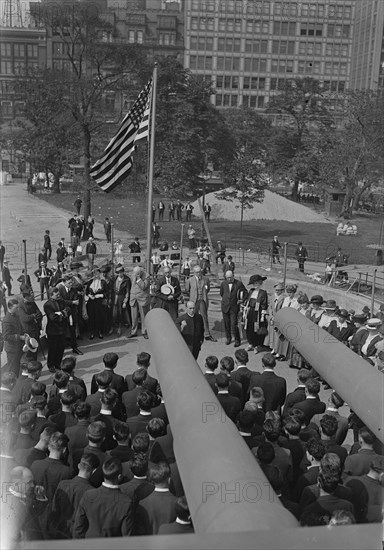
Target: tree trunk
56,183
241,216
359,193
347,206
295,189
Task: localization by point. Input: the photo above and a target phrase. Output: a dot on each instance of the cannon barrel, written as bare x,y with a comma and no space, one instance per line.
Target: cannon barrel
224,485
354,379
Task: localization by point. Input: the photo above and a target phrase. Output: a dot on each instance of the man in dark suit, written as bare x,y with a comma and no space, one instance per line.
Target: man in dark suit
183,523
168,292
109,401
71,300
120,298
143,360
129,398
117,381
233,293
68,365
191,326
103,380
13,337
139,422
242,374
298,394
230,404
105,511
68,495
57,320
77,434
301,255
311,405
43,275
273,386
159,506
211,364
6,277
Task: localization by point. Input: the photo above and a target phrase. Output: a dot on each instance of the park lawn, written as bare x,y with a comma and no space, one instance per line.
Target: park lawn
129,214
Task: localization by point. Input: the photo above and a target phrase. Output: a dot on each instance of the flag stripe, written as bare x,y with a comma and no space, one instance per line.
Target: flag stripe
116,162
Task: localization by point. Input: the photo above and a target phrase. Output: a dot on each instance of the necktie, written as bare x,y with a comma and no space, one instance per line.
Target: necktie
289,305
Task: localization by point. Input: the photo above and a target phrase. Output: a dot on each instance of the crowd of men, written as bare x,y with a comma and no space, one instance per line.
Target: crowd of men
98,461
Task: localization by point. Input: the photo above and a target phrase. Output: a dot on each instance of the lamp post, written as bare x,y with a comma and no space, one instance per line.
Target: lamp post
206,176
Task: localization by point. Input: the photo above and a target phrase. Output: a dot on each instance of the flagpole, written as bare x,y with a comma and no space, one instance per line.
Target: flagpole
150,175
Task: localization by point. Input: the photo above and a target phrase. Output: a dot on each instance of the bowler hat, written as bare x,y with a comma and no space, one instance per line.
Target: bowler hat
291,288
256,279
331,305
105,268
317,299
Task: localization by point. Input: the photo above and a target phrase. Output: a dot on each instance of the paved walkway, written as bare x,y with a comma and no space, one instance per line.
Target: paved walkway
24,216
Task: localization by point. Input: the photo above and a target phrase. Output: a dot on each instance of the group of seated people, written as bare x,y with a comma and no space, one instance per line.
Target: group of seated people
100,464
346,229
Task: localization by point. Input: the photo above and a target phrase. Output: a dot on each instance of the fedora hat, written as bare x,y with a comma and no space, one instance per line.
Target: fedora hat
279,286
360,318
317,299
343,313
30,345
331,305
119,269
373,324
256,279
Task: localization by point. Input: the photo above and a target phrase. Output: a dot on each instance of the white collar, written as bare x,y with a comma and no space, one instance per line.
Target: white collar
332,409
240,366
311,397
209,372
105,412
178,520
5,389
223,392
140,477
245,434
267,370
109,485
145,413
161,490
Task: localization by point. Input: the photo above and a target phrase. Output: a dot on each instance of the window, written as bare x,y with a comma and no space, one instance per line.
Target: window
201,43
194,23
32,50
6,67
247,64
208,62
210,23
289,66
328,67
236,64
200,62
19,67
192,61
260,101
284,28
263,65
246,100
253,100
248,45
219,81
261,83
342,86
195,4
273,84
193,43
230,25
219,100
6,110
236,45
311,29
19,50
222,25
316,67
226,100
221,44
209,43
233,100
5,50
343,68
238,25
220,62
229,45
227,82
246,83
283,47
140,37
131,37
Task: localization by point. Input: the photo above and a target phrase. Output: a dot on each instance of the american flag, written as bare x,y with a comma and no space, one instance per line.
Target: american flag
116,162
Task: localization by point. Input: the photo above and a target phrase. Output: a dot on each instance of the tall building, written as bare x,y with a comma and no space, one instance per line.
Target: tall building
367,67
250,47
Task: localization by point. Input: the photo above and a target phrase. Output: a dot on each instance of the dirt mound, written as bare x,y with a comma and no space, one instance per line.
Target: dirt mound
274,207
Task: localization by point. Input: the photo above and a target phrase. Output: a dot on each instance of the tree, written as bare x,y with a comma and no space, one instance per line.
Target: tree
98,64
352,158
190,131
49,137
302,105
245,171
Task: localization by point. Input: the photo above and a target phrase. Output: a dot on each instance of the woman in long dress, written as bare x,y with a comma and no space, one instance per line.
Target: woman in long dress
96,294
290,300
255,314
275,306
119,258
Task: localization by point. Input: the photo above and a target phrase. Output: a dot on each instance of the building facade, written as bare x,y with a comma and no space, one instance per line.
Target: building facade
250,48
367,64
